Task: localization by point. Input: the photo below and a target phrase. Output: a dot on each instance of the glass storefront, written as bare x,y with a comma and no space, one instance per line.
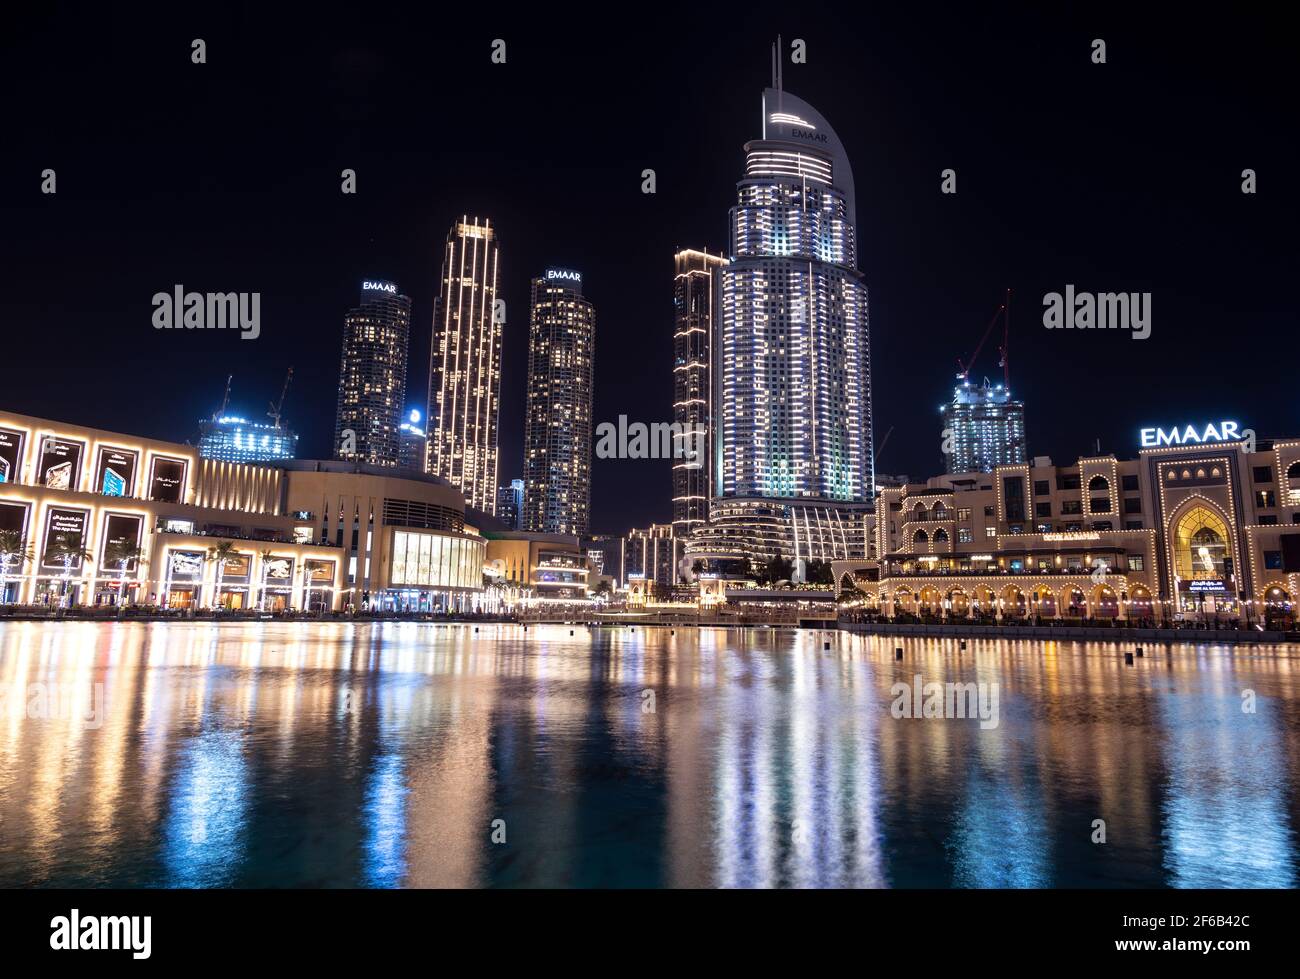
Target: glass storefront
426,560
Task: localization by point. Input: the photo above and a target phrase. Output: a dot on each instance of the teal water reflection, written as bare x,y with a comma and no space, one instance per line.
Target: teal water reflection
421,755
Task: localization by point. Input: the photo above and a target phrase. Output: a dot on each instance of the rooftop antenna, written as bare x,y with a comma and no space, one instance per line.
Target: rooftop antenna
221,412
1004,361
780,86
277,407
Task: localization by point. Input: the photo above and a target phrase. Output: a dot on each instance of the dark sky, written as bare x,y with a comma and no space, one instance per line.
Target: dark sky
225,177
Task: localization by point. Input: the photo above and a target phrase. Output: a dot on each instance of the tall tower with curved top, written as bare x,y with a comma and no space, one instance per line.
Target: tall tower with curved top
794,385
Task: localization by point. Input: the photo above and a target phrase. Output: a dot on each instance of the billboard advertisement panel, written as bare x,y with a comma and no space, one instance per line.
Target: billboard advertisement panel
59,464
64,526
119,529
167,479
11,455
185,566
115,471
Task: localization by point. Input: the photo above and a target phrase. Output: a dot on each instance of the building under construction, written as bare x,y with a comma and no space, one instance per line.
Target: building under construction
229,437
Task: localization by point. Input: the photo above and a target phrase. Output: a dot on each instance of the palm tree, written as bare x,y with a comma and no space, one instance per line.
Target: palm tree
122,553
67,547
261,599
221,552
13,546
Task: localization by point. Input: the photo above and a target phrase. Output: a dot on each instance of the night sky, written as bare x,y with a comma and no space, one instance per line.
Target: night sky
225,177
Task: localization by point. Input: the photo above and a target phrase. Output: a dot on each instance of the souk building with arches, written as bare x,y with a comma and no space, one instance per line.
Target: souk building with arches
1199,530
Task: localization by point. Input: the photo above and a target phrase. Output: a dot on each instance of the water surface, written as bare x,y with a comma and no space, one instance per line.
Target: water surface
422,755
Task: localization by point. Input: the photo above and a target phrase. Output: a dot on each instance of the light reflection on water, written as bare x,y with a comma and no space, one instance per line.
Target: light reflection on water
385,755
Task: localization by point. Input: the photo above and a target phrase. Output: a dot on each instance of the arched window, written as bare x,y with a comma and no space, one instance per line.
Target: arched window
1293,472
919,512
941,536
919,538
1099,493
846,583
1201,545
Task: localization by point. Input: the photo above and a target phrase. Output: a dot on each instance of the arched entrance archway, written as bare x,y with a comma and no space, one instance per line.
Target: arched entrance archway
1140,603
1203,557
1105,603
1044,601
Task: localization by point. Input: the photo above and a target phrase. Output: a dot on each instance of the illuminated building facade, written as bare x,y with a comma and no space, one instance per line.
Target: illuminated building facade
372,376
540,568
984,428
412,442
90,517
558,427
695,296
653,556
1196,532
510,504
230,438
793,381
465,365
752,530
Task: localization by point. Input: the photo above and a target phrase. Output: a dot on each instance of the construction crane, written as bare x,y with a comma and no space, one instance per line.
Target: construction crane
1003,311
277,407
881,447
225,402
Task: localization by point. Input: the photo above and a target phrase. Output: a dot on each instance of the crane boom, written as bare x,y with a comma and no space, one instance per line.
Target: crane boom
278,407
964,369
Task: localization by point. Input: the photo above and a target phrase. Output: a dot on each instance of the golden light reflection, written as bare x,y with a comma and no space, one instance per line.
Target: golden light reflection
343,754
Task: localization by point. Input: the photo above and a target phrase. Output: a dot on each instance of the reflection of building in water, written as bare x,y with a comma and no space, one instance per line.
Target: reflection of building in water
1191,530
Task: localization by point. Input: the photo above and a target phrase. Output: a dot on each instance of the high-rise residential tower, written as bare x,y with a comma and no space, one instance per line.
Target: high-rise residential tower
465,365
372,376
694,310
510,504
792,366
983,428
557,428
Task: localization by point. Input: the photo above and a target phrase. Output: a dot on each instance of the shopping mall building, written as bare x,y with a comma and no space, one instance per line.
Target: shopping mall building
1194,526
101,518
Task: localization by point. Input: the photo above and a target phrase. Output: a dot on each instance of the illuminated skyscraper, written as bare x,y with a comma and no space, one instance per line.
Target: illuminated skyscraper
372,376
557,429
983,428
694,302
792,369
465,366
794,384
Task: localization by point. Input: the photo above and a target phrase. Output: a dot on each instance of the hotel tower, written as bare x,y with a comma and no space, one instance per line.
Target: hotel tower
694,309
372,376
465,366
557,429
794,467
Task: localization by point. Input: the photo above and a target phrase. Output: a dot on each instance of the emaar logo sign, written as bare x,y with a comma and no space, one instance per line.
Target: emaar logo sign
1155,438
563,275
377,286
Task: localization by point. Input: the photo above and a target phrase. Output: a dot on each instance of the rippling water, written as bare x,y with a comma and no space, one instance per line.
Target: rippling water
199,755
